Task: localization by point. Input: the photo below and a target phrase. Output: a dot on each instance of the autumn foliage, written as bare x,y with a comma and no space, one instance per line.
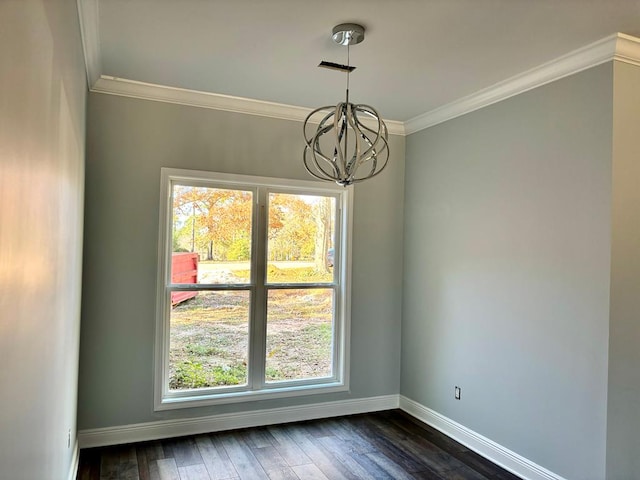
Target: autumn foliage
217,223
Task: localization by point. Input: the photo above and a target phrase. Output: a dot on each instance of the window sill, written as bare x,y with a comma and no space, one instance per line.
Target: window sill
206,399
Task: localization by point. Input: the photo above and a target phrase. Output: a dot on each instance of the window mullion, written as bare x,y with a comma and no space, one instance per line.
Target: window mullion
258,322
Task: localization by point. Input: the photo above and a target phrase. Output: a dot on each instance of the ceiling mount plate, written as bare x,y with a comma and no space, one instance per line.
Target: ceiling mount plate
348,34
336,66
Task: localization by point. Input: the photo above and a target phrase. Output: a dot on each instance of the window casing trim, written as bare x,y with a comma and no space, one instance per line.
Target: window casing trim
164,399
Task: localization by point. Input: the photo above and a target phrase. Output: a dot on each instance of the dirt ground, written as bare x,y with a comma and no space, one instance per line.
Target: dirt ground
209,337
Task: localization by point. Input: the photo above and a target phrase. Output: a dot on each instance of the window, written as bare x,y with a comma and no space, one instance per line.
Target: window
253,297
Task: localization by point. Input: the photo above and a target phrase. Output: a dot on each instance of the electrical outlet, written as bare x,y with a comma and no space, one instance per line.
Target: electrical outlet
456,392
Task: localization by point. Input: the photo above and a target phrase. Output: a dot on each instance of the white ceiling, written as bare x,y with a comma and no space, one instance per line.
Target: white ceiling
418,55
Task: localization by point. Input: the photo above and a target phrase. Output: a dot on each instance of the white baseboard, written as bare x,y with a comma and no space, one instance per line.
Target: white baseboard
489,449
511,461
99,437
75,461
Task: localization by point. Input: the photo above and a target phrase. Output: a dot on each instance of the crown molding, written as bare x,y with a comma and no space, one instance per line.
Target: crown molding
618,46
627,49
216,101
88,13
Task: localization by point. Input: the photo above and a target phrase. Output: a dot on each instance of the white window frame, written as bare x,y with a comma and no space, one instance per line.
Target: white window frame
256,388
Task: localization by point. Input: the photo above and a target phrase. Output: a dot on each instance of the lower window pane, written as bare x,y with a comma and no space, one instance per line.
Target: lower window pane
209,340
299,334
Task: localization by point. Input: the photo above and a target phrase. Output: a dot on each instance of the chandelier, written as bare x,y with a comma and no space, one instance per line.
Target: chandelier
350,144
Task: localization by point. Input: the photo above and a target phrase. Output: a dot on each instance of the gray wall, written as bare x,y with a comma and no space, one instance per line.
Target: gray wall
42,120
128,141
623,441
507,258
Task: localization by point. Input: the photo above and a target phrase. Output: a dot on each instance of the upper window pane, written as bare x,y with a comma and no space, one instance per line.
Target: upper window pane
211,235
301,236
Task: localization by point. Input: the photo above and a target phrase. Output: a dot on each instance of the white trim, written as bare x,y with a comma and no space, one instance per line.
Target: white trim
255,389
140,432
489,449
75,461
88,12
627,49
619,47
194,98
201,399
216,101
614,47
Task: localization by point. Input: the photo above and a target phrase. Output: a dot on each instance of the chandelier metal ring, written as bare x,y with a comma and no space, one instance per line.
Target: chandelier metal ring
351,142
339,127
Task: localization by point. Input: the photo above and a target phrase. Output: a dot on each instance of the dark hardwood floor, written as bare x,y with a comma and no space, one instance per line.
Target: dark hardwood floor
384,445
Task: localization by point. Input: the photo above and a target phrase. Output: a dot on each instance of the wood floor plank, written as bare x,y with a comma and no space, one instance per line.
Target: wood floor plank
257,437
318,428
382,445
426,475
89,464
357,443
185,451
128,467
464,473
323,460
417,429
389,466
274,464
414,426
153,450
147,453
242,458
373,469
288,448
167,469
437,459
341,451
215,459
389,447
143,464
119,463
109,461
194,472
154,471
309,472
483,466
